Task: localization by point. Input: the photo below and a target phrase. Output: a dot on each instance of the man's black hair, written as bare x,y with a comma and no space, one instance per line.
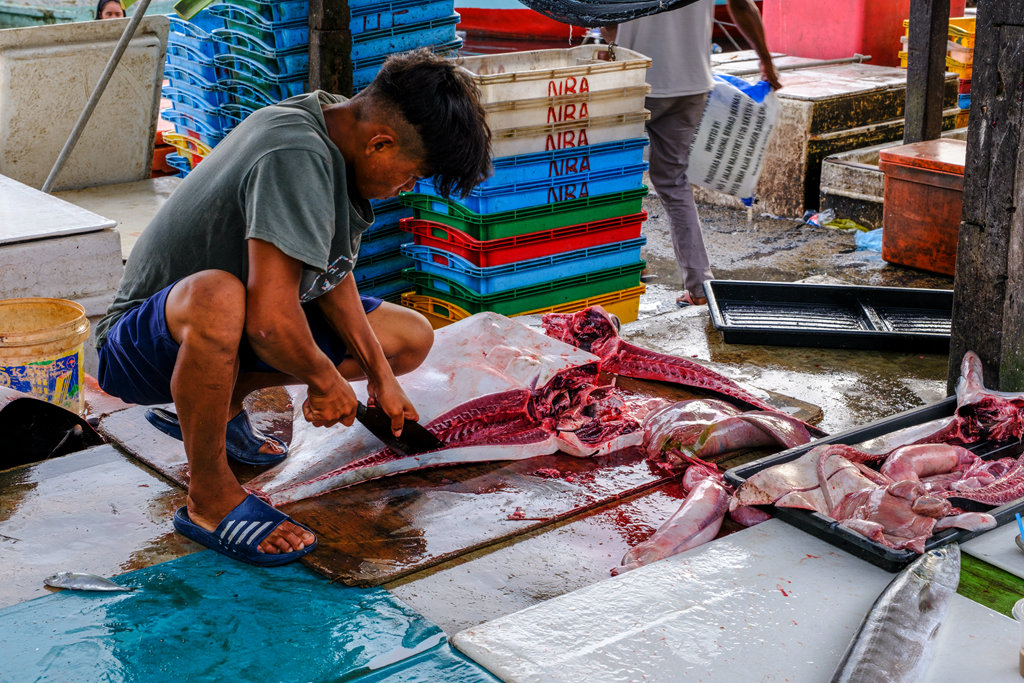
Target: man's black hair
442,103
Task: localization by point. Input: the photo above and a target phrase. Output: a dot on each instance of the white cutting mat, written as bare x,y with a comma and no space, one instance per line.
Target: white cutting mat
997,547
769,603
26,213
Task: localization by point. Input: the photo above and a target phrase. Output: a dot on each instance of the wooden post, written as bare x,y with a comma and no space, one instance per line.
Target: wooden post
988,298
330,47
926,69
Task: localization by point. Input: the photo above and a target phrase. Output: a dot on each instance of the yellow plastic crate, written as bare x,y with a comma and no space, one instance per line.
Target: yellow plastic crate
961,30
963,70
191,149
625,304
903,58
962,118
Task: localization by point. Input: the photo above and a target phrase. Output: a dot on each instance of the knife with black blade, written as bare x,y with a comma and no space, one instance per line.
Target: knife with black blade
415,437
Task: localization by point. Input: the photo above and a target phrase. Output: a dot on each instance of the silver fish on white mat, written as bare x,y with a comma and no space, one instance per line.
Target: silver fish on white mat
894,641
83,582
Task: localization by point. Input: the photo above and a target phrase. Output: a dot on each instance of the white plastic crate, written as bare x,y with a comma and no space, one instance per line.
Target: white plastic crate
546,137
552,73
557,109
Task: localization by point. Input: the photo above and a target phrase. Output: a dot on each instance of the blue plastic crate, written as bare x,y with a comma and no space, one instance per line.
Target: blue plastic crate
186,124
178,163
523,273
566,162
195,106
381,264
195,33
486,200
389,287
289,62
403,38
284,12
365,70
277,86
964,100
194,60
276,35
246,94
184,79
233,114
388,212
376,15
376,241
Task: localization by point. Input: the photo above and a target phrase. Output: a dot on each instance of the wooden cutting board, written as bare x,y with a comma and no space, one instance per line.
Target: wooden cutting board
379,531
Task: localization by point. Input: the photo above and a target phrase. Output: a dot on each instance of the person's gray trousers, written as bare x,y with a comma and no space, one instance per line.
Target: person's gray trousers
671,128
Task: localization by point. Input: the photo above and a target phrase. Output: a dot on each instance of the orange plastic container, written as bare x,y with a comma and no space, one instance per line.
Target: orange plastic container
833,30
923,198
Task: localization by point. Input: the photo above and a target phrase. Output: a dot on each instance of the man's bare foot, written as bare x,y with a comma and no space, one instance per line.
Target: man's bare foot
286,538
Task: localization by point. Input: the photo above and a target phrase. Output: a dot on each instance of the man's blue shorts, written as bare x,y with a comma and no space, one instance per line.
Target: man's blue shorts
137,358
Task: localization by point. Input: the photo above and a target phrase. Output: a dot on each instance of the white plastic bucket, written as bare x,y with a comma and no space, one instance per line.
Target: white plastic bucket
42,345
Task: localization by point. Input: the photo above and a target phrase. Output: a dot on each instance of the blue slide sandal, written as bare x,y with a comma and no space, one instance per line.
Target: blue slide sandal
240,533
243,441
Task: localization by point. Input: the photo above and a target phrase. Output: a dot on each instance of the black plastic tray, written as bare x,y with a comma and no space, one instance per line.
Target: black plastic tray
834,316
829,530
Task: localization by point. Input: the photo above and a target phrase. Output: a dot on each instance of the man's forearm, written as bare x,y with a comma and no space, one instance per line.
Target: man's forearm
344,311
744,13
282,339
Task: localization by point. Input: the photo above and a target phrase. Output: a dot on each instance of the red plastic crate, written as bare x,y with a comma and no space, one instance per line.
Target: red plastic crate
521,247
965,86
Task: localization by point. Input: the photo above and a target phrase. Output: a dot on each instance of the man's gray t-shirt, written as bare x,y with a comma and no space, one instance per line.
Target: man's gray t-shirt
679,45
277,177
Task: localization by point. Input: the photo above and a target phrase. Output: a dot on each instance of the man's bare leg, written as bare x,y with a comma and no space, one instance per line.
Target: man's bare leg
206,315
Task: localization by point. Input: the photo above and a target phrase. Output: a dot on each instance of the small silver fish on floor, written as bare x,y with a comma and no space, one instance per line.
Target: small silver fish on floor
83,582
893,644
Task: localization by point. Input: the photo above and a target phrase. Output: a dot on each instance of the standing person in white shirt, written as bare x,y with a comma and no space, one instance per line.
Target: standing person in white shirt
679,45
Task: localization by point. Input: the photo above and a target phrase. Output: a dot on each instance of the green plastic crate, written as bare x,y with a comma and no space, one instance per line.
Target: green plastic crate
515,301
492,226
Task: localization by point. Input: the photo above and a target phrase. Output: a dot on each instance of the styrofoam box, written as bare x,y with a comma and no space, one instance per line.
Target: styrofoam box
559,108
595,130
547,73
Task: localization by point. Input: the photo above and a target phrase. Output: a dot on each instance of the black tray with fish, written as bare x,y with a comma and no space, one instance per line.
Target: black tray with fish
854,543
833,316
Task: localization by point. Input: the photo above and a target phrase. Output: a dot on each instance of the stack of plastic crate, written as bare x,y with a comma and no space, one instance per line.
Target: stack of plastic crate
264,54
380,29
558,225
959,59
192,88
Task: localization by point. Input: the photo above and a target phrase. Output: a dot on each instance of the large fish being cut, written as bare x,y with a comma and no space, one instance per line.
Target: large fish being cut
483,355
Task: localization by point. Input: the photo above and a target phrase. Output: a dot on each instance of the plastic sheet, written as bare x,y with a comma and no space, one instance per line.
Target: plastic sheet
603,12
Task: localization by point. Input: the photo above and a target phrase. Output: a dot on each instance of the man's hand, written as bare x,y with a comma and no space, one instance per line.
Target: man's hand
391,398
328,408
769,74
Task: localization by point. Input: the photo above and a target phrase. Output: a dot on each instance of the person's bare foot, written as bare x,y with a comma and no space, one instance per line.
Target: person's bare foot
284,539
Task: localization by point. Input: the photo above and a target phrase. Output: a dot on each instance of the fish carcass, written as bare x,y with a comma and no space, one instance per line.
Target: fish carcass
493,389
707,427
594,330
697,521
893,643
980,414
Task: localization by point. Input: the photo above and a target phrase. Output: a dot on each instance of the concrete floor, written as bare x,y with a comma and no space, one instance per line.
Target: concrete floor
852,388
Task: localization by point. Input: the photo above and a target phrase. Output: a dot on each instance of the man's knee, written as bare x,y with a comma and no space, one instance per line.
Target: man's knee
405,335
209,305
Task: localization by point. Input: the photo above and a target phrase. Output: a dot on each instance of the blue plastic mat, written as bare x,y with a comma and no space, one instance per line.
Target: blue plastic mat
203,617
